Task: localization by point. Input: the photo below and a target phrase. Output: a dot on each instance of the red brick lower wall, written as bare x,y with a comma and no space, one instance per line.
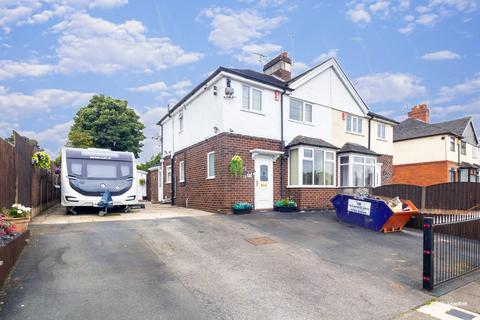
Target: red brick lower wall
220,193
312,198
423,174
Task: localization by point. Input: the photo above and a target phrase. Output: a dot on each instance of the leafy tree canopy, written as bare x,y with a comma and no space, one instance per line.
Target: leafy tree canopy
154,160
107,123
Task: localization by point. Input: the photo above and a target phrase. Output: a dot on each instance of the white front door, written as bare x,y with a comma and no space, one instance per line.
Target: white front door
160,184
263,182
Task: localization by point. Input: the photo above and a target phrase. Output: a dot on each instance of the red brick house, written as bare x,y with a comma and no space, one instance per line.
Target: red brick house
430,153
301,137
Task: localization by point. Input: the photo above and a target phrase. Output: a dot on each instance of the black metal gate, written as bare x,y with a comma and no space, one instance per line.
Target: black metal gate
451,247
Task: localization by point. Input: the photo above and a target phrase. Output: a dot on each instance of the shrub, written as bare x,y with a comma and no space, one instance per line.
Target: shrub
17,211
242,205
41,160
285,203
236,166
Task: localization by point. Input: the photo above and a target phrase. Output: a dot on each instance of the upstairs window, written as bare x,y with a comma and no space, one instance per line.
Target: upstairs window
251,98
475,152
354,124
463,148
180,121
300,111
381,131
452,144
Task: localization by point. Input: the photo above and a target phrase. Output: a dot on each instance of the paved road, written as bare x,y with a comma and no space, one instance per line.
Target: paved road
203,267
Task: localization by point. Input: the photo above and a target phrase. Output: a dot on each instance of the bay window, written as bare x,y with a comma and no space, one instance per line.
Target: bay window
357,171
317,167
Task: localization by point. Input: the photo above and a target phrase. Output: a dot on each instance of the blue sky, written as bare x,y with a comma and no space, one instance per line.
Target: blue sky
55,54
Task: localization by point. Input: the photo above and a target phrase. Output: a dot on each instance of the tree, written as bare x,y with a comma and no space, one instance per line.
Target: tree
107,123
154,160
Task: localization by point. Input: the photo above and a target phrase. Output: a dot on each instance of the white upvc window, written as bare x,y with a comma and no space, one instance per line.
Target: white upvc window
310,166
475,152
169,174
181,171
354,124
463,148
452,144
251,98
300,111
381,131
180,121
357,170
211,165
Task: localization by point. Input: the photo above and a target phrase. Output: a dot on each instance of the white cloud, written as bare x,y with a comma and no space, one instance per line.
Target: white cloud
238,32
389,87
89,44
323,56
299,67
151,87
52,139
151,144
21,12
441,55
359,14
14,105
428,20
381,6
11,69
470,86
407,29
232,29
249,52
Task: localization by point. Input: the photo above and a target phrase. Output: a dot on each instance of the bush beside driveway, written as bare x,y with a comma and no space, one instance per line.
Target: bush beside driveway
310,267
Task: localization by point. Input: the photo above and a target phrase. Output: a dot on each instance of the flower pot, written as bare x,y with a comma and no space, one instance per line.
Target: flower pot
285,209
21,224
242,211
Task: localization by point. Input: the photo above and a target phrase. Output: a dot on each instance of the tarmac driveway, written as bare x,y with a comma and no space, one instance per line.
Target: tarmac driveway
293,266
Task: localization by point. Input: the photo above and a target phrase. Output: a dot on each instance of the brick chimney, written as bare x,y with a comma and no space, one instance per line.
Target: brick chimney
420,112
280,66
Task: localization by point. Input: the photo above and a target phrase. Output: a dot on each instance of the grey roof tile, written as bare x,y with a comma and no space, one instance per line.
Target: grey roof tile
309,141
356,148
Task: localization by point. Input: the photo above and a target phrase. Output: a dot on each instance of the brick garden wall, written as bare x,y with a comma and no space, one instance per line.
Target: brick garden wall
422,174
312,198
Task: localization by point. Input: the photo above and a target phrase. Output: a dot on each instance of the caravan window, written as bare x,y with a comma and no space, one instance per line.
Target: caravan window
101,169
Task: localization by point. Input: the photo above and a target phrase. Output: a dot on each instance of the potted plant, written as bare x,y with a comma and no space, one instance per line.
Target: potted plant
18,216
285,205
242,208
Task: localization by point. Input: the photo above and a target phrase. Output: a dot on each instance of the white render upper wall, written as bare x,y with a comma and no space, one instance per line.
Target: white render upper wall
330,98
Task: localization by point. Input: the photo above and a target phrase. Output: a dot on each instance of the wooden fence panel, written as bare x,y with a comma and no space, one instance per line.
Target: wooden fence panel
454,196
23,170
7,174
23,183
404,191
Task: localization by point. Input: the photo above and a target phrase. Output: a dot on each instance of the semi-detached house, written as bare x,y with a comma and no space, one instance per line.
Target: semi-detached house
301,138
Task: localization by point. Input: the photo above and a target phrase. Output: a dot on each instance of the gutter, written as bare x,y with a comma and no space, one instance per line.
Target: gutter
282,146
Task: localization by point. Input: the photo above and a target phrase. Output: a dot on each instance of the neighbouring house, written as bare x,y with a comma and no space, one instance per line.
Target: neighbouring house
301,137
430,153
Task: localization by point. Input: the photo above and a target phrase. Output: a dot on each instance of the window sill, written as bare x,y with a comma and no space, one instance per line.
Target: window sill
302,122
167,182
310,187
382,139
180,131
355,133
210,178
181,181
253,111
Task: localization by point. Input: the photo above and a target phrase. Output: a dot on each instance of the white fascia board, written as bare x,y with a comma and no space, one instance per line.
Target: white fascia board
332,63
251,82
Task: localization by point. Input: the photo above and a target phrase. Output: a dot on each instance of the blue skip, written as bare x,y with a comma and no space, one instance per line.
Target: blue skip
372,213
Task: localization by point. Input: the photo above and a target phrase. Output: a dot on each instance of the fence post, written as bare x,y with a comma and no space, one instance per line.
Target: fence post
428,252
423,205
